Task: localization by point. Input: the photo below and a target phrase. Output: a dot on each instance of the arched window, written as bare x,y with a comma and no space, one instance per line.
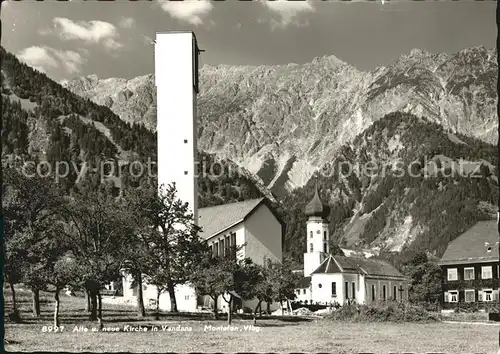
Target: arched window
325,248
310,247
324,235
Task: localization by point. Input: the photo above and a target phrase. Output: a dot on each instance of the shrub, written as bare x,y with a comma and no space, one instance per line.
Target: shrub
383,312
466,307
492,307
472,307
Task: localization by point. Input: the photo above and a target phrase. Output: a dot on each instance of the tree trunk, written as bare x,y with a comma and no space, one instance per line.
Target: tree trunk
36,302
99,318
216,310
93,305
255,312
56,308
230,310
158,293
141,311
14,303
87,300
173,301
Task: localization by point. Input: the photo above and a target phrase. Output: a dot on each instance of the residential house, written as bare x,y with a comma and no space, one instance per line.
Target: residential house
470,267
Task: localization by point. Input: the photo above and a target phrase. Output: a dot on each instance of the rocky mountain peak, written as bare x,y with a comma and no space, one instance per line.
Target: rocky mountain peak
281,122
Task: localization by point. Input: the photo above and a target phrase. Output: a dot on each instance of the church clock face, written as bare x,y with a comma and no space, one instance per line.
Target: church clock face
318,231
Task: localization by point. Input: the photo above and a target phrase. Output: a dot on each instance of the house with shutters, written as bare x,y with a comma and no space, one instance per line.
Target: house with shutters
331,279
470,267
252,225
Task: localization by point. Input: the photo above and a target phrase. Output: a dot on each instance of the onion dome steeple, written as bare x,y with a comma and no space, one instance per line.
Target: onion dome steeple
316,207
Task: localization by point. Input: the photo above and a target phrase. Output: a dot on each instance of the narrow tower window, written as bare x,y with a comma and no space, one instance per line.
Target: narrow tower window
185,141
310,247
324,235
310,234
185,172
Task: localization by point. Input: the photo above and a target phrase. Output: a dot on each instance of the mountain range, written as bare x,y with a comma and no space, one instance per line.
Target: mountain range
432,114
282,123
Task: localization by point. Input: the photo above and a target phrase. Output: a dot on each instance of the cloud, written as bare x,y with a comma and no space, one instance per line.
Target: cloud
192,11
96,32
127,22
287,10
44,58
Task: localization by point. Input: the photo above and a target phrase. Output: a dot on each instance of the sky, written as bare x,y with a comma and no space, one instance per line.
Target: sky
114,39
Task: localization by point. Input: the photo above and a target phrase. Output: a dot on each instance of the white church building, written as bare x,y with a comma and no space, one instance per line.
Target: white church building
252,224
339,280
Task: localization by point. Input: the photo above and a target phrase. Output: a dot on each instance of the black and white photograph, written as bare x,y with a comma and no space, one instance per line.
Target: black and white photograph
250,176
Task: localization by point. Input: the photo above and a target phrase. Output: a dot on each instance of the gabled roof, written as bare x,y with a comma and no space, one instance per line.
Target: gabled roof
472,245
217,219
371,268
328,266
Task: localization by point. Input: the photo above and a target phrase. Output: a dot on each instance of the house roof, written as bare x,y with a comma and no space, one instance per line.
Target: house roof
472,245
372,268
216,219
328,266
303,283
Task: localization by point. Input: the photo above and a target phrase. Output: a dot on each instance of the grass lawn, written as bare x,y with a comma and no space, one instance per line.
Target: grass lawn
270,335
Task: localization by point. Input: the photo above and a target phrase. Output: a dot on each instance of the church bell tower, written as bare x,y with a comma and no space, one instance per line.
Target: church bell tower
176,79
317,238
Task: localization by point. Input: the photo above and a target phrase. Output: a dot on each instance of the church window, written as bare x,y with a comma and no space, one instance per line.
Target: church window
223,249
216,244
394,293
325,248
347,290
353,290
185,141
334,288
324,235
304,291
383,292
310,234
373,292
320,286
311,247
185,172
233,239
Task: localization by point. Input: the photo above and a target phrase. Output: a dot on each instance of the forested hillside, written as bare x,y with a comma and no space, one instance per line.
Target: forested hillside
435,186
44,121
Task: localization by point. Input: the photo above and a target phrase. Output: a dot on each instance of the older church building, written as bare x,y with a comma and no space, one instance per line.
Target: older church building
331,279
